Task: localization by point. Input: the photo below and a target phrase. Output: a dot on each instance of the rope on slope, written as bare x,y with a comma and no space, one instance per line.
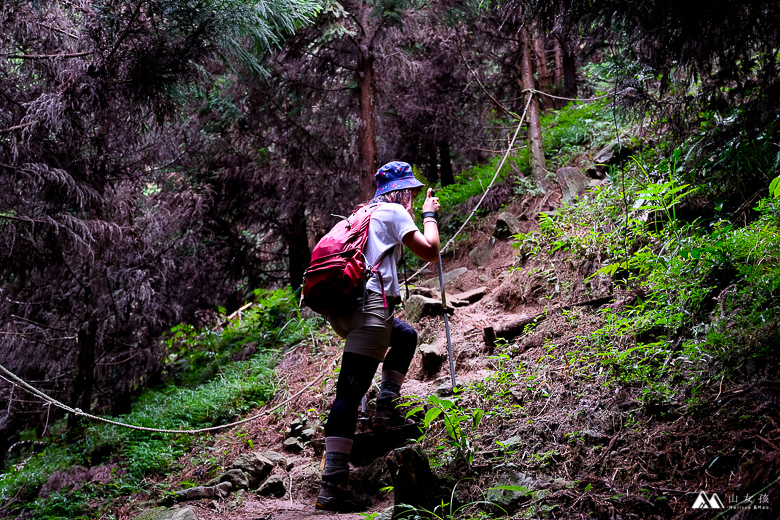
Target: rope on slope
575,99
77,411
503,160
492,181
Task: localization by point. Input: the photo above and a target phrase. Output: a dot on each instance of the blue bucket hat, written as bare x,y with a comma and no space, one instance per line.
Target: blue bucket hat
394,176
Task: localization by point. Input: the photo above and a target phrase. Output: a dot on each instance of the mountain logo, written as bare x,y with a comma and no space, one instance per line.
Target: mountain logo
707,502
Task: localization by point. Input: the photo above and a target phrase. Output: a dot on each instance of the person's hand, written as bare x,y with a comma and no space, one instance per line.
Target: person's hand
431,203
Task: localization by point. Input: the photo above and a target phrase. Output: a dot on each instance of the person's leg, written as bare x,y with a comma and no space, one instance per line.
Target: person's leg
367,336
355,377
403,343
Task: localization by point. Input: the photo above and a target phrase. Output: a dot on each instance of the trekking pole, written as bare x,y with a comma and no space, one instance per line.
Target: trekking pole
446,324
363,416
446,318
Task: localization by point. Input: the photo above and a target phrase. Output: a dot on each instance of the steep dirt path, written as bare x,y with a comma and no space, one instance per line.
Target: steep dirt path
318,361
587,444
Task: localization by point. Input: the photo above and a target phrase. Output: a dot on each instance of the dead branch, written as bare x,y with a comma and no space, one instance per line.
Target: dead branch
31,322
17,127
48,56
57,29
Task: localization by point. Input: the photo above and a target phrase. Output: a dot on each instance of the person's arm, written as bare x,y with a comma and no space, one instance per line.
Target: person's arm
426,245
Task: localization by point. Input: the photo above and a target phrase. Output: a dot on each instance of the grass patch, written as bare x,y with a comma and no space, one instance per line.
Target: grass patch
575,129
210,390
474,180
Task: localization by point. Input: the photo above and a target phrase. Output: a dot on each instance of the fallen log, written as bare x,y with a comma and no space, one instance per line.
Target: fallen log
511,330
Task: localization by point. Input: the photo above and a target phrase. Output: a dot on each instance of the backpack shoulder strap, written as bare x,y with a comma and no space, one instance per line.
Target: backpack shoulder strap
374,270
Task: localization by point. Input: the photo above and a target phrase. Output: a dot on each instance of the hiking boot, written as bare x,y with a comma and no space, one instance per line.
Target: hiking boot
387,414
338,497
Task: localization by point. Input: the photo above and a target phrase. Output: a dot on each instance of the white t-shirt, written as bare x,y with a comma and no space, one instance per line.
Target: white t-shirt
390,222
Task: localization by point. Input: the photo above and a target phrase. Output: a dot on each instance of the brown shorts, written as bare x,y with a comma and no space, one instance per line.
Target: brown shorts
367,333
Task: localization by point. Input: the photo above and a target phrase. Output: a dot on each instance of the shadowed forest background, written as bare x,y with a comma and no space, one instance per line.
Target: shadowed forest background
164,162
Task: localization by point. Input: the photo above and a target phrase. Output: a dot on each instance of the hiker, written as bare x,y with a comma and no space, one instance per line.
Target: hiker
371,328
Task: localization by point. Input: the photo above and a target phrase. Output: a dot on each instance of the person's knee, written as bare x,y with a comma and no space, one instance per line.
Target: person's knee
412,335
407,338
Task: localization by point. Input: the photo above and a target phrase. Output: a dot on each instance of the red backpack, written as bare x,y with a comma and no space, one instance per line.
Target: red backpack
338,271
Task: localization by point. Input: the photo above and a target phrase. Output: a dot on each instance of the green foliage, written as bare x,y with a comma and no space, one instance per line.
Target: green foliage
566,132
707,289
447,510
272,321
662,197
730,163
526,186
473,181
237,22
774,188
455,419
21,485
232,389
576,128
240,387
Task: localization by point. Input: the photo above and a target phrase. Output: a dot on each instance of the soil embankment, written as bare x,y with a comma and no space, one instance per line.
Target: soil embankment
577,442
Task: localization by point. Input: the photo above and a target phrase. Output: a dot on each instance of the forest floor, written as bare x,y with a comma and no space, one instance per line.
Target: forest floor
583,448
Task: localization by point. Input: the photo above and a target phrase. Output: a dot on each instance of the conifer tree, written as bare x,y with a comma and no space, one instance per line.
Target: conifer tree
104,243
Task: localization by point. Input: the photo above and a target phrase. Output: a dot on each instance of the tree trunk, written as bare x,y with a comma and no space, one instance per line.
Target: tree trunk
121,402
367,128
536,155
299,254
543,73
432,162
569,68
85,376
447,176
558,78
558,73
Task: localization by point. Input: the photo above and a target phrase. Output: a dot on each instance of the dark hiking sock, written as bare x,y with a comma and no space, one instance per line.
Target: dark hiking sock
335,492
391,384
337,450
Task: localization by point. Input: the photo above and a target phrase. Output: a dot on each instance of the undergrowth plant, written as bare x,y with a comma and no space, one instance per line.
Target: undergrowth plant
575,128
699,290
194,356
726,158
473,181
459,423
451,510
206,388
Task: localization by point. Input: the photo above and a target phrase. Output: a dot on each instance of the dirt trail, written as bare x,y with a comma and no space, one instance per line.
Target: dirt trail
589,446
302,366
